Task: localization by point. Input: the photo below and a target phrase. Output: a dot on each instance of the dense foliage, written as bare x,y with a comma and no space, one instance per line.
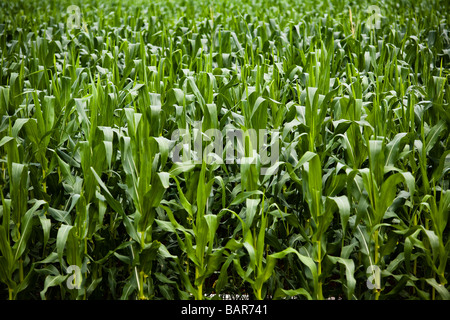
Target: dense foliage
356,206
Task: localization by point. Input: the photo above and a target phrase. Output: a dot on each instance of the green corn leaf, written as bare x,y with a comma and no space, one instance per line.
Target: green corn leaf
244,195
343,206
349,266
115,205
61,239
223,275
19,177
147,255
307,261
434,134
251,205
6,250
26,227
394,148
52,281
444,293
282,293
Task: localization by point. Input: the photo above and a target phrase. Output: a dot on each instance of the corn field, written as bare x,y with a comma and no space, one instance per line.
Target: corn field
345,194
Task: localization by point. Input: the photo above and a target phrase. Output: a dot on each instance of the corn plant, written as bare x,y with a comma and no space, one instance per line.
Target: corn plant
207,149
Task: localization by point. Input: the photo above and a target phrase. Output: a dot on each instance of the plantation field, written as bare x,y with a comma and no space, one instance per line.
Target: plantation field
212,149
